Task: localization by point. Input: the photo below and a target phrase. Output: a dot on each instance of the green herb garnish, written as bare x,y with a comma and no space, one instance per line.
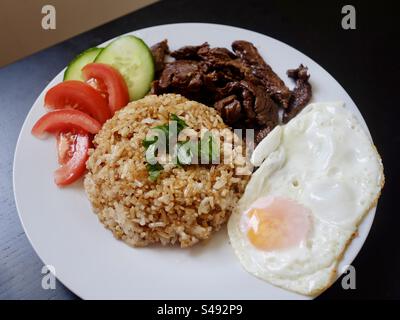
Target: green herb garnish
180,123
148,142
184,152
154,171
164,129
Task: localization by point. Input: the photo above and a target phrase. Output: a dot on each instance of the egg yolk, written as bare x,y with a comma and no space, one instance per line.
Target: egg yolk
277,223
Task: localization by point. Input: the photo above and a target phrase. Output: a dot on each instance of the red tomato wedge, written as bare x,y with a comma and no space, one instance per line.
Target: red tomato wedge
74,94
74,165
66,145
65,120
112,80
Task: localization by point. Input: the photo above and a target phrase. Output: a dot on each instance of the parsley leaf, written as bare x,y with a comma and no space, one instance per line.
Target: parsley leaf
163,128
148,142
154,171
184,151
180,123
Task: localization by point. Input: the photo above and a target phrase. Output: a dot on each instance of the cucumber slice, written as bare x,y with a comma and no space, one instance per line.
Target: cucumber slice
133,59
74,69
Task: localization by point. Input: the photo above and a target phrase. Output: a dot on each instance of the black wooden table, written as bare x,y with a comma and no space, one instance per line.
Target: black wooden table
364,61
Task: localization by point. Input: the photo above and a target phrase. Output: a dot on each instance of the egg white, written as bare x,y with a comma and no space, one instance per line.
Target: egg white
324,160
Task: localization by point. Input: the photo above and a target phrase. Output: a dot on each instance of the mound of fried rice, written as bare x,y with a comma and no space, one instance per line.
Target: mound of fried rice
185,204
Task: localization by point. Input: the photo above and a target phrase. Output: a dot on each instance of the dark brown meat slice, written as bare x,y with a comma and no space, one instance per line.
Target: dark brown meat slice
248,52
222,66
235,67
241,86
219,60
188,52
264,108
229,109
301,94
235,90
257,108
299,73
275,86
248,104
213,55
181,76
228,89
203,52
159,51
215,82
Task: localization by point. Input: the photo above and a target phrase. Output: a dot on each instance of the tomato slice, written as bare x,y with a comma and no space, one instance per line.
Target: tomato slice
112,80
73,94
74,165
65,120
99,86
66,145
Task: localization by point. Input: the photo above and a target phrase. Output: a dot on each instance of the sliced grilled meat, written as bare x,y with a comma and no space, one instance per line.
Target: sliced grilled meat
213,55
159,51
264,108
275,86
229,109
185,75
257,108
240,85
301,94
188,52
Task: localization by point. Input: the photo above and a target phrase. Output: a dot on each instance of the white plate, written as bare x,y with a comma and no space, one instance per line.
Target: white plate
89,261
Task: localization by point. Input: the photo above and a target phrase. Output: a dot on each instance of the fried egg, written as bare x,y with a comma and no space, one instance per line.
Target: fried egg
318,176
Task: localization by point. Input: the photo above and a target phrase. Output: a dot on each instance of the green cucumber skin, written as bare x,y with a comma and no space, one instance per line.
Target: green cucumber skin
139,81
73,69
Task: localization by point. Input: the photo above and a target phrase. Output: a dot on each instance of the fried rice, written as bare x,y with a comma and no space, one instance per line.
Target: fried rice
185,204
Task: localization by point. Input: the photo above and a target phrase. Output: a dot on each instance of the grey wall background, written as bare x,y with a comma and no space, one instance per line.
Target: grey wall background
21,32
